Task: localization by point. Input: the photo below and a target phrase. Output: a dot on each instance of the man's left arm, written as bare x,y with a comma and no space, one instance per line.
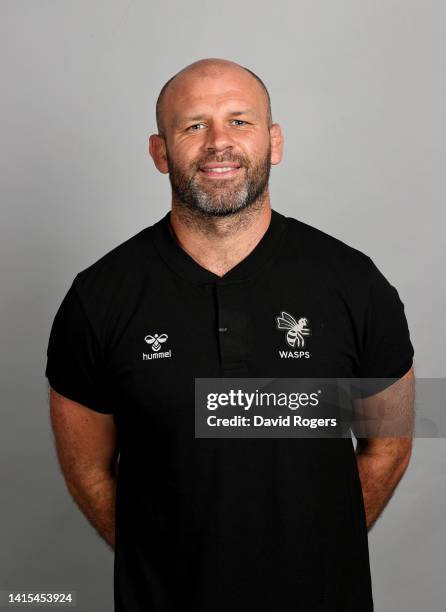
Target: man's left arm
383,460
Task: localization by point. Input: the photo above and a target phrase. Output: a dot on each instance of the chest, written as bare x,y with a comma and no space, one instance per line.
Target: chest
177,332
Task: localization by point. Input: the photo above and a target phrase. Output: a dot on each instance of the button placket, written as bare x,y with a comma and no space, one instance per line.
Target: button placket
231,322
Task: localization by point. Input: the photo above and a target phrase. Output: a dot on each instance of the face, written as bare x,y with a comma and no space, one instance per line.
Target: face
218,148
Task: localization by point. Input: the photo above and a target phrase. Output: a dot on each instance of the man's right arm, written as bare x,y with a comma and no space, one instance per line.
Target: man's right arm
86,445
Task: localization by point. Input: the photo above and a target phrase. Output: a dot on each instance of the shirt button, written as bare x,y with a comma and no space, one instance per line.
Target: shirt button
222,329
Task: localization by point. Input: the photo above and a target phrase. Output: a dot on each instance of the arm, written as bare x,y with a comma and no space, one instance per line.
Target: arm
86,448
381,460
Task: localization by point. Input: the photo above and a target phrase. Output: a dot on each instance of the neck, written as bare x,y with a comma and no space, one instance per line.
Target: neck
220,243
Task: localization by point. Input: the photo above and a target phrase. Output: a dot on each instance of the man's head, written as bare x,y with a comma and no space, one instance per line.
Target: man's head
216,112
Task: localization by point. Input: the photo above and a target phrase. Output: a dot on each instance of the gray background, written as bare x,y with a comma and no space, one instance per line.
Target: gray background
359,89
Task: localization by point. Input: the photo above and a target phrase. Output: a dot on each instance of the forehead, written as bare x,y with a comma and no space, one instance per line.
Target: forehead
196,93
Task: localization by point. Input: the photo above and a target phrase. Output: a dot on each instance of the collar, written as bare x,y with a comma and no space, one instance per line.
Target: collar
184,265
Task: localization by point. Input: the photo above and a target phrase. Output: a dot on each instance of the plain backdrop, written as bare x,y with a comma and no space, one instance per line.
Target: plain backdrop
358,87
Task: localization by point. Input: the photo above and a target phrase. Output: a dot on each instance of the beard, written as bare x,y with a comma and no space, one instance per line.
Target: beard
220,197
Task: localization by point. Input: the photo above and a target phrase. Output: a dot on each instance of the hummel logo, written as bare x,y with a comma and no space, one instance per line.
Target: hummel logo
156,341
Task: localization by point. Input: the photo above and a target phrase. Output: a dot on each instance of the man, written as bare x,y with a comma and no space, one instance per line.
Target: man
224,524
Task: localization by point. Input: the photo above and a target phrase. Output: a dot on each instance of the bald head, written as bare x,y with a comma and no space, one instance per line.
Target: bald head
206,68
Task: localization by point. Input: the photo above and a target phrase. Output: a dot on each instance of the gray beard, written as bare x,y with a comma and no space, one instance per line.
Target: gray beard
219,202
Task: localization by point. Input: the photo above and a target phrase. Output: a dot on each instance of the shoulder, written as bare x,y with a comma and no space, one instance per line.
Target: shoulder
327,254
119,266
110,285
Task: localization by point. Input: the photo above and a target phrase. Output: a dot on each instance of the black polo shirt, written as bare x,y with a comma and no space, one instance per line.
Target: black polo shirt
218,525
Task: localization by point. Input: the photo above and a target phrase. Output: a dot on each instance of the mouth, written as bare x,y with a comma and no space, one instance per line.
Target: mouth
220,170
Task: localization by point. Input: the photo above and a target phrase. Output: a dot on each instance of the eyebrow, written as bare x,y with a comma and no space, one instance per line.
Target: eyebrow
234,113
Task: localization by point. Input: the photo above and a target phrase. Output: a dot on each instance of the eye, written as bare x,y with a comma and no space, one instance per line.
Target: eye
193,126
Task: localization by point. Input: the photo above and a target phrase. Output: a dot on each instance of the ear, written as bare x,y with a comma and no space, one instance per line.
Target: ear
157,150
277,140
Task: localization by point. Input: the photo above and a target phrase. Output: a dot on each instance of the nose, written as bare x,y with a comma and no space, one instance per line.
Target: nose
217,138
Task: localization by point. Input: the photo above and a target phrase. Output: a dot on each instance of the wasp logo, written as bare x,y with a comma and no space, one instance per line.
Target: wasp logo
296,330
156,341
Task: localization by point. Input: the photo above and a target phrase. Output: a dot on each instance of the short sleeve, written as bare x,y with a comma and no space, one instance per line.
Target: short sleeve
75,360
387,350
